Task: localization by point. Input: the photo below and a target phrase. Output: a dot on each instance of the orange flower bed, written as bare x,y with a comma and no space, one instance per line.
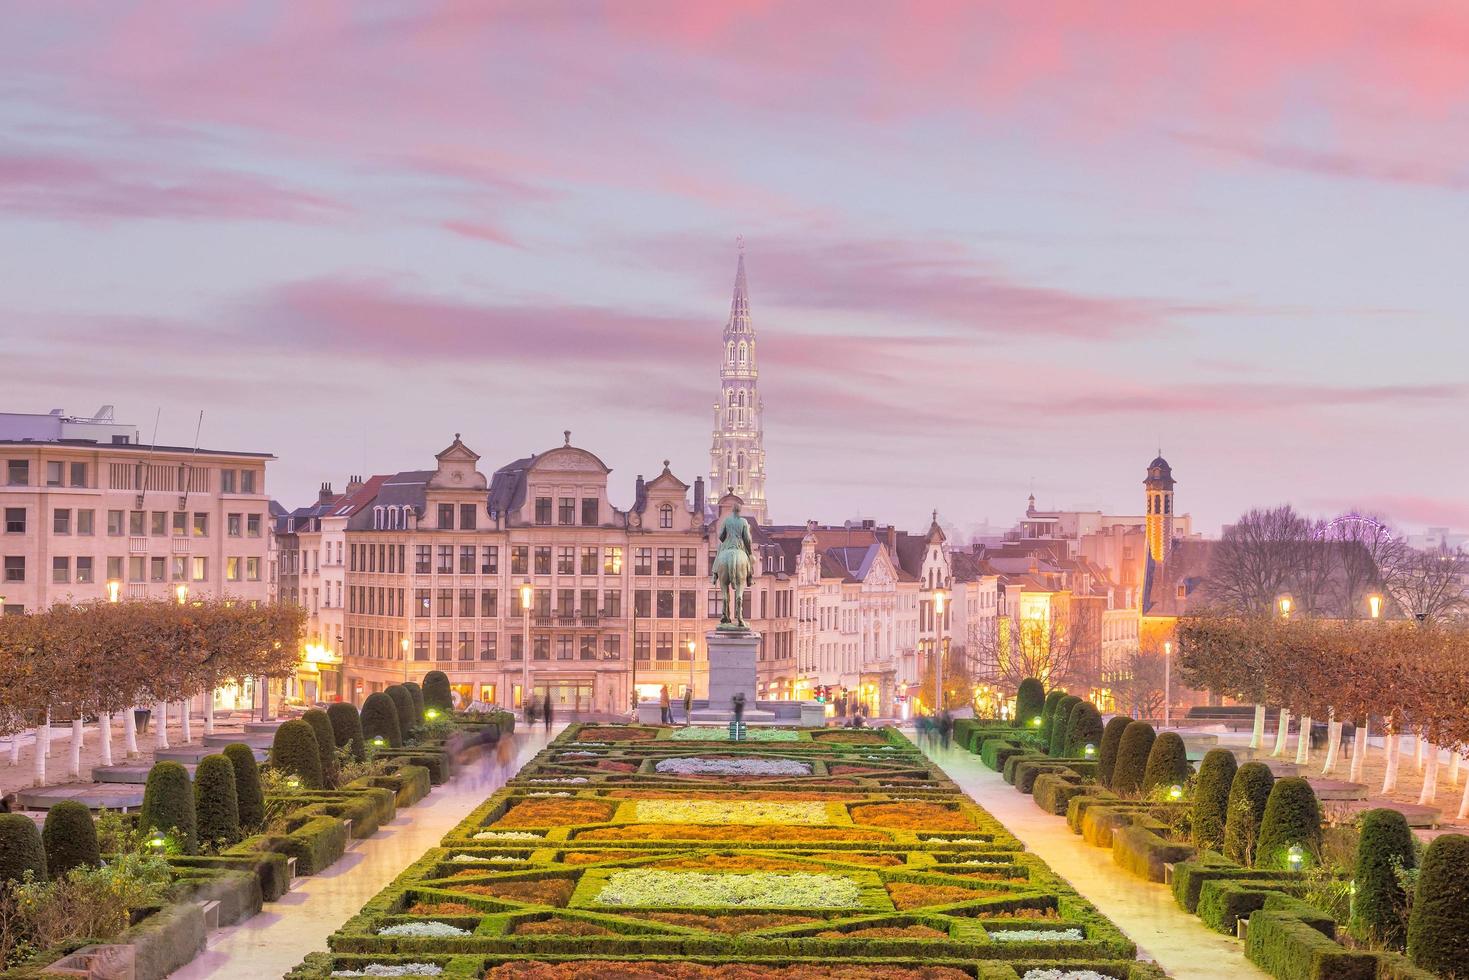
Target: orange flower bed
849,737
655,970
907,895
730,925
548,891
592,857
858,857
613,765
910,816
733,862
761,832
561,927
886,932
443,908
552,812
762,796
1022,914
615,735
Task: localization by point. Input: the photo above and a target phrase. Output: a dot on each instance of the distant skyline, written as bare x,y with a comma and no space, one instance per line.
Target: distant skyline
990,246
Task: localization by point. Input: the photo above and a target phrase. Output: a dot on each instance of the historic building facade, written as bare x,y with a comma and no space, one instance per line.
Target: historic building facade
737,455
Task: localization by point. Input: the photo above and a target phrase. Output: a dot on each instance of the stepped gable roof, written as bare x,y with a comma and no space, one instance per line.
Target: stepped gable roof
1186,568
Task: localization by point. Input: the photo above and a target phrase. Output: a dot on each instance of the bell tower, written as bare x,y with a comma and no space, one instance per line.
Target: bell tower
737,455
1158,491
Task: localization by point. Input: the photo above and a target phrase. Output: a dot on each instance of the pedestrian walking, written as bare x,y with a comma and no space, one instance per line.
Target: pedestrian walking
946,727
546,712
688,705
665,711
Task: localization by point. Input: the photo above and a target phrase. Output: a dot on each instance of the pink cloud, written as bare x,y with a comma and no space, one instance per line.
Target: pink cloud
483,232
1418,172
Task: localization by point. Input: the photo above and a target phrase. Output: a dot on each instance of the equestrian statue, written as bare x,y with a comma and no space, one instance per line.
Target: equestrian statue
733,569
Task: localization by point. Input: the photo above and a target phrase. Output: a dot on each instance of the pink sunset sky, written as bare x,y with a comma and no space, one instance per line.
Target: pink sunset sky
991,246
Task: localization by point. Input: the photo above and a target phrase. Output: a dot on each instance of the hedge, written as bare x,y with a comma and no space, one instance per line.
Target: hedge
1379,902
1132,758
1286,947
1048,711
1085,729
1438,929
1190,876
1030,701
1248,795
403,707
436,691
248,796
1167,763
296,751
1292,819
1107,751
1144,848
347,728
168,804
1053,791
1211,799
70,838
21,849
1224,901
1060,720
380,720
326,743
216,800
415,694
165,940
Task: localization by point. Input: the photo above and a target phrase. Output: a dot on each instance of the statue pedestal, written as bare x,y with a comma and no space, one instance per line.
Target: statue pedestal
731,671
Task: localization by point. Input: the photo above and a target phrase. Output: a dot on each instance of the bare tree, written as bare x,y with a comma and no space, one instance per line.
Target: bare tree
1137,689
1054,648
1257,559
1430,585
1367,556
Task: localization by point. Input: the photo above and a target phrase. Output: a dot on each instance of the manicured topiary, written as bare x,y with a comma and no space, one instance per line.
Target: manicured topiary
326,744
1167,763
1030,701
168,804
249,797
1211,799
1438,930
1107,752
1292,819
1085,728
20,848
70,838
403,705
216,800
415,693
296,752
1060,719
1379,904
1248,795
1048,709
1132,758
380,720
347,728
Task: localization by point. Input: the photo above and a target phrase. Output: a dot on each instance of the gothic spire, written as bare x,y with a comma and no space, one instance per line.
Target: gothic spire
737,455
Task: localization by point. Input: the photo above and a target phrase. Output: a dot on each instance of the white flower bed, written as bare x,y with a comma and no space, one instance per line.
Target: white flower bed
424,930
589,743
955,840
385,970
507,835
759,889
476,859
1066,975
543,792
1033,935
703,766
708,733
562,779
578,755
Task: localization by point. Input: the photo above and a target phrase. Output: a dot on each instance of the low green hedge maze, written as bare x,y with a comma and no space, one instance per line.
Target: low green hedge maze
631,844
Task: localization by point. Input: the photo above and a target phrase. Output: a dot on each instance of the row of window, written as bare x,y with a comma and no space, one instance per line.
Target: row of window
125,476
565,511
81,569
468,559
136,523
58,474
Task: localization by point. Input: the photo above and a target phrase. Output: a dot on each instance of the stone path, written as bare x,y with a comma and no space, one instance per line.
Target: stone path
1145,911
285,931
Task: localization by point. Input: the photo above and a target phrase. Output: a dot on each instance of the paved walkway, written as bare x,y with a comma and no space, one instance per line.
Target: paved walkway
1145,911
285,931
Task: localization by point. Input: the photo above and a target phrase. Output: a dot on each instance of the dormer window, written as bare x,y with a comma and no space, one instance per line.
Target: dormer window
665,516
1182,590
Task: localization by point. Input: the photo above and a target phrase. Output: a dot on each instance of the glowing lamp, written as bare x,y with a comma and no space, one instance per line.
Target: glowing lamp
378,741
1090,750
113,588
1294,856
294,783
183,594
1175,792
157,842
431,713
1035,722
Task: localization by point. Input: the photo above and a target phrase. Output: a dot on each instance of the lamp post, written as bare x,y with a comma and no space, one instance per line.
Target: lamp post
404,644
632,651
1167,683
527,593
114,589
1374,606
939,598
693,646
182,592
1285,604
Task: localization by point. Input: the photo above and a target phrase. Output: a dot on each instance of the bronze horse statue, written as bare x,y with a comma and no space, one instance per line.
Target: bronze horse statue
734,568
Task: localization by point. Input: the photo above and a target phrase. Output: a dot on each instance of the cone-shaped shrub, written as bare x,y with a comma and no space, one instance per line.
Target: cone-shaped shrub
1048,709
70,838
415,693
296,752
1085,728
168,804
1030,701
1060,720
1248,795
347,728
249,798
1379,905
20,848
380,720
216,800
403,705
1132,758
326,744
1292,819
1211,799
1438,929
1107,752
1167,763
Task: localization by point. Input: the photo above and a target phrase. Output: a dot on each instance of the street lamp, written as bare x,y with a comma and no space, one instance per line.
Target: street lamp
692,647
1167,683
1285,603
939,598
1374,605
404,644
527,592
183,594
114,588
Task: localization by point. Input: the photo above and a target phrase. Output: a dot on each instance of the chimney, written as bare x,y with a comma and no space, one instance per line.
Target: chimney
892,540
639,494
699,497
325,494
354,483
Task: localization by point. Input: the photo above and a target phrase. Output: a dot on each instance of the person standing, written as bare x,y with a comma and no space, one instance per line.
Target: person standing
688,705
665,710
546,711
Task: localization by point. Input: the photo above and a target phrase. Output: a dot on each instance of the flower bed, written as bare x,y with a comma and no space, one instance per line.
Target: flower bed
911,816
733,811
708,733
605,970
548,812
704,766
759,889
754,832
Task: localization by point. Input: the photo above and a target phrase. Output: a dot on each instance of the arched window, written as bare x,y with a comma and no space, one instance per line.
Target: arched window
742,352
729,355
741,401
404,517
377,519
665,516
1167,505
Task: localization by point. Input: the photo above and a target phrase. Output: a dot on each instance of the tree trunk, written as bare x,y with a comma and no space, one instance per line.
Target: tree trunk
1464,803
1282,734
45,740
1257,735
208,712
15,748
1430,777
1333,743
1454,767
1390,774
74,768
129,733
160,725
40,749
186,731
1418,748
104,729
1359,752
1303,741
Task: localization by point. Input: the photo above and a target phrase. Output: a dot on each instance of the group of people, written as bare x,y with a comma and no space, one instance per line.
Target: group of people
666,705
538,709
935,730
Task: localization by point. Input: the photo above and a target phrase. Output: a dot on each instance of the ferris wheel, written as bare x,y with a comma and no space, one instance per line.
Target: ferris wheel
1336,524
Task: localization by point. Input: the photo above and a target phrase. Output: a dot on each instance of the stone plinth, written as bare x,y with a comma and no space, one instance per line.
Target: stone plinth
731,667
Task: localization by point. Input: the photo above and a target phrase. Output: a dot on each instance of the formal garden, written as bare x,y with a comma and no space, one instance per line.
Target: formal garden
628,851
1249,853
